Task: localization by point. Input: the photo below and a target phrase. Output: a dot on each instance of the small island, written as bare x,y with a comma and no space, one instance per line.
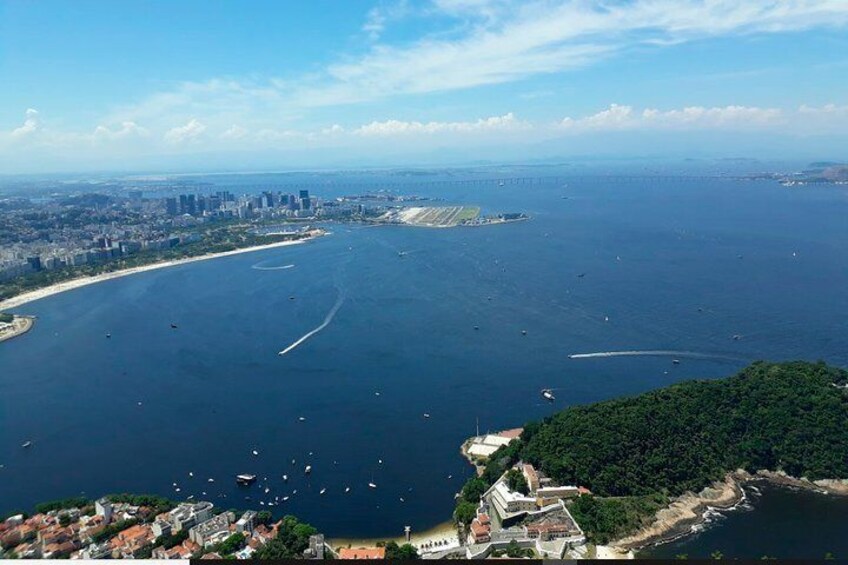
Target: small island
640,470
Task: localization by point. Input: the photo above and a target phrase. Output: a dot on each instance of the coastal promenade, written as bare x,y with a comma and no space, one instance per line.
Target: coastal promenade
38,294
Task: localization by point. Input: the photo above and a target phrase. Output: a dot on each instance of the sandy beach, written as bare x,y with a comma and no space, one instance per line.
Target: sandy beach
445,532
32,296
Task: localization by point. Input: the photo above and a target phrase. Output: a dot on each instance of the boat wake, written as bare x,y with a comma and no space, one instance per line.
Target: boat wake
330,315
653,353
258,267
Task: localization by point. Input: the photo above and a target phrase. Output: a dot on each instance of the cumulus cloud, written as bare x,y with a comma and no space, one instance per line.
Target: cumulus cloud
398,127
189,132
618,117
125,130
31,124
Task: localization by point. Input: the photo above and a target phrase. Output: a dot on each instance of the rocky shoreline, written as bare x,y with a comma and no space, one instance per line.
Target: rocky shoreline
689,509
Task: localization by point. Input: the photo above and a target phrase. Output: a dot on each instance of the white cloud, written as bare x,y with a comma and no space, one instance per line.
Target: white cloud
398,127
618,117
189,132
235,132
334,129
126,129
31,124
828,110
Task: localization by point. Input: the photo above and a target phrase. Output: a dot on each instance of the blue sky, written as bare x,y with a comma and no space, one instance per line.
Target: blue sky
104,85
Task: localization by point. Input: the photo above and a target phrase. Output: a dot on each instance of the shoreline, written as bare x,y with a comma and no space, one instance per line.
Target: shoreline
443,531
20,326
690,510
38,294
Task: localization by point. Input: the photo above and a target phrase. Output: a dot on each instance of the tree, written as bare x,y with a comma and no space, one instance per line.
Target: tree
403,552
514,550
516,482
465,512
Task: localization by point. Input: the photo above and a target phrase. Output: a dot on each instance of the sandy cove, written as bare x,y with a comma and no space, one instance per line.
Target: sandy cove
443,532
688,509
64,286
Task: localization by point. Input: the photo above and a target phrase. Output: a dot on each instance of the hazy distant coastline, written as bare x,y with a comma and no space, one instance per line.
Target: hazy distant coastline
38,294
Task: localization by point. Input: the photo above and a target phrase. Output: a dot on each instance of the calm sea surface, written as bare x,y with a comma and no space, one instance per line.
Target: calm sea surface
679,266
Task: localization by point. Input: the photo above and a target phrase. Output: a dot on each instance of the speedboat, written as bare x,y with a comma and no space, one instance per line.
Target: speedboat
245,479
548,394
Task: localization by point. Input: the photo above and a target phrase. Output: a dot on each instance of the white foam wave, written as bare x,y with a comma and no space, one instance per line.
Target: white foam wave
651,353
259,268
329,318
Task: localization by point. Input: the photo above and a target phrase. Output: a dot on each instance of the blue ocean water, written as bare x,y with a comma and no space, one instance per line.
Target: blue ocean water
679,266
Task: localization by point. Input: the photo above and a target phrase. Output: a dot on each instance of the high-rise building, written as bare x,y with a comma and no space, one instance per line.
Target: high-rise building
171,206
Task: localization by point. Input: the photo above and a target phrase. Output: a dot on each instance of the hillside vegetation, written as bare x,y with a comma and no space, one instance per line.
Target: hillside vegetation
790,417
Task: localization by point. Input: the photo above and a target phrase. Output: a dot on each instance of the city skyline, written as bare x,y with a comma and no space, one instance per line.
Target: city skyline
141,86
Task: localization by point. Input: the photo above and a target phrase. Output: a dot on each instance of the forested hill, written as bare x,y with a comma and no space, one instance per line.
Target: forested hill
777,416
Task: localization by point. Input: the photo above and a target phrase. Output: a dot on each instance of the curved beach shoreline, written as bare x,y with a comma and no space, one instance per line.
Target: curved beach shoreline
38,294
441,532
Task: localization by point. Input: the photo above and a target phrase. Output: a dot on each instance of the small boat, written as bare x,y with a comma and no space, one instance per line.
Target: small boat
606,318
173,326
401,499
108,336
292,461
189,497
736,337
450,476
322,491
308,469
291,297
211,480
347,490
548,394
301,419
139,402
379,461
581,275
675,361
285,477
190,474
262,503
26,444
245,479
176,490
372,485
401,253
476,327
376,394
267,490
523,332
175,484
255,453
426,415
294,491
